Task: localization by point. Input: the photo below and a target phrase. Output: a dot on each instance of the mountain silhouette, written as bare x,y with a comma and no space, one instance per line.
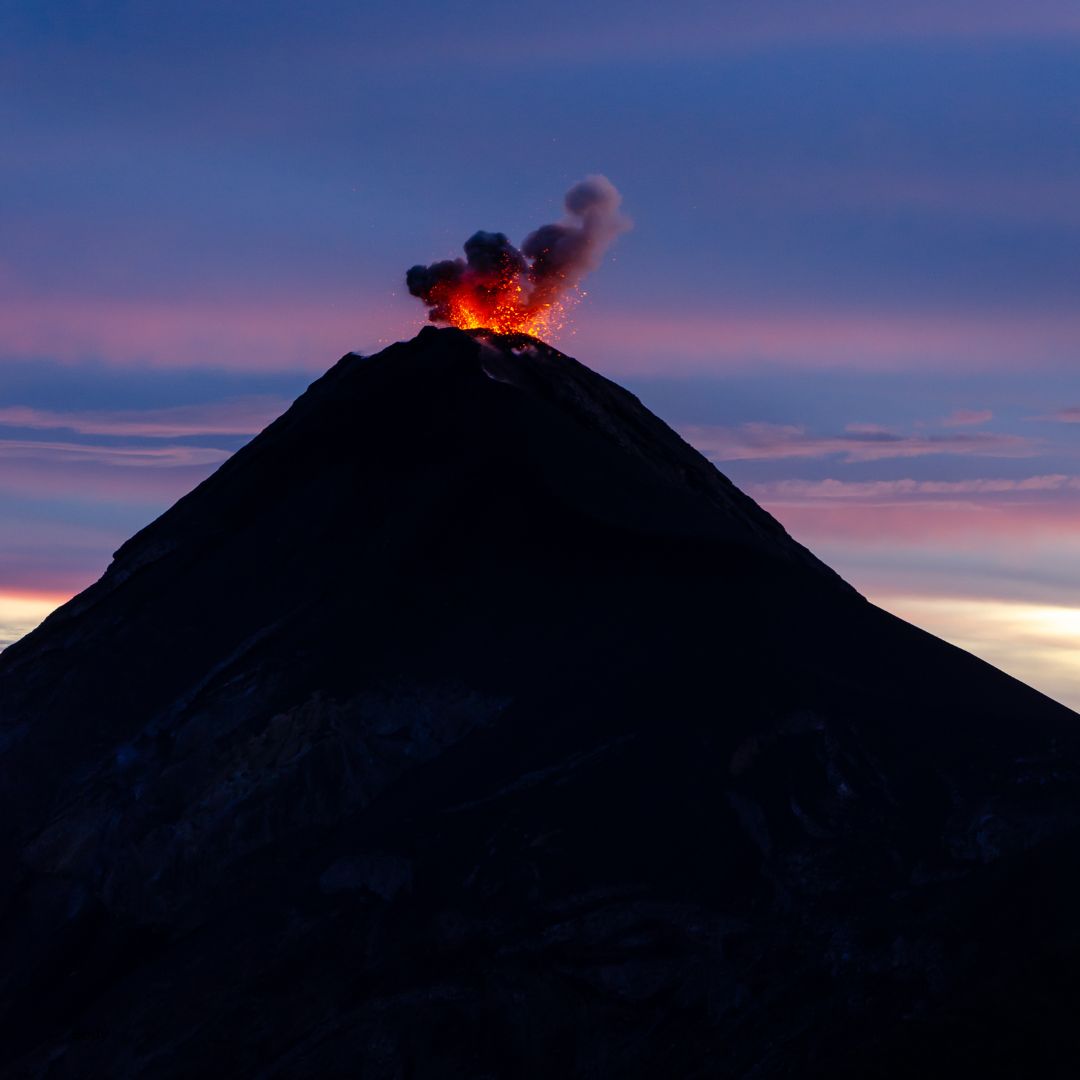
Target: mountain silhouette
468,723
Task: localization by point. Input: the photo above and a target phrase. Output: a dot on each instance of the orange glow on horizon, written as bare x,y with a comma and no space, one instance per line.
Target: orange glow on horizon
1034,642
21,611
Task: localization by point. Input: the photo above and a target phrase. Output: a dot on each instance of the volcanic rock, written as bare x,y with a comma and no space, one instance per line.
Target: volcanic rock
468,723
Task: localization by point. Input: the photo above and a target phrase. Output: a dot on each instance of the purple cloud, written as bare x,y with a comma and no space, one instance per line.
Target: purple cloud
860,442
967,418
156,457
1070,415
238,416
899,489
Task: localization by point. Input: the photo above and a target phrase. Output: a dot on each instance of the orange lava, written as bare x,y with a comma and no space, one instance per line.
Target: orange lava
503,308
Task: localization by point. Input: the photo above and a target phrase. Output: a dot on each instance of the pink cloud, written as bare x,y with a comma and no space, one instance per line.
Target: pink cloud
295,335
49,557
976,519
967,418
157,457
1064,416
983,509
239,416
152,475
902,489
860,442
267,336
670,342
867,429
90,477
980,512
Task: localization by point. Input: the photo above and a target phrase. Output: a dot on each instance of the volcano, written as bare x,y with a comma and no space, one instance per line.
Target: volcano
469,723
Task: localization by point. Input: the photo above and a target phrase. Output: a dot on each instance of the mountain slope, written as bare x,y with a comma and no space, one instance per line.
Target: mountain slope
468,723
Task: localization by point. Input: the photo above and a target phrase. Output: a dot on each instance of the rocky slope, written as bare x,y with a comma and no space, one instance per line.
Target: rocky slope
468,723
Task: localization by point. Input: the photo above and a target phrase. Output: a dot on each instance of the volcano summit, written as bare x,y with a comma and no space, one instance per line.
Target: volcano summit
468,723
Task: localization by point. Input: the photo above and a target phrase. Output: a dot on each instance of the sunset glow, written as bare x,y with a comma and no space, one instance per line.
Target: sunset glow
1036,643
21,612
851,282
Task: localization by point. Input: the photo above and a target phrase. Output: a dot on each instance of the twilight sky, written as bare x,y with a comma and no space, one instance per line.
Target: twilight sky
852,281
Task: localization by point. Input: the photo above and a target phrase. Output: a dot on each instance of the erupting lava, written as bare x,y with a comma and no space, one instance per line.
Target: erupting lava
504,308
498,287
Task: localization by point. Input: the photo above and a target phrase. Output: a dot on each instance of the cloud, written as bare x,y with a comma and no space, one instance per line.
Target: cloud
279,335
910,488
1070,415
967,418
156,457
57,558
659,339
274,334
151,476
982,513
238,416
859,442
866,429
840,527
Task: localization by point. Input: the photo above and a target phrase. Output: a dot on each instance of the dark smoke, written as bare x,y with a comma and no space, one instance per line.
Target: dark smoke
552,260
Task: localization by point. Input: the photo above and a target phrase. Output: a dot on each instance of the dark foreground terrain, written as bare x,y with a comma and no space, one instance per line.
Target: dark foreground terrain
468,723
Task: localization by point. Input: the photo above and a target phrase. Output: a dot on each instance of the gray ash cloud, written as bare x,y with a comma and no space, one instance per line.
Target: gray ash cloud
552,260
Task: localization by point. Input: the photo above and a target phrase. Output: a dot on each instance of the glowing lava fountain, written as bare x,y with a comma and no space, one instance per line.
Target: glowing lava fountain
501,288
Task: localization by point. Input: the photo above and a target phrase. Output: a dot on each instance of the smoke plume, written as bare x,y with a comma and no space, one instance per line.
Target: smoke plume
509,290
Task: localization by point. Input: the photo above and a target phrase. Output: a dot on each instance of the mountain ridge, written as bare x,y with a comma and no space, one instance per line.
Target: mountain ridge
469,722
520,346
